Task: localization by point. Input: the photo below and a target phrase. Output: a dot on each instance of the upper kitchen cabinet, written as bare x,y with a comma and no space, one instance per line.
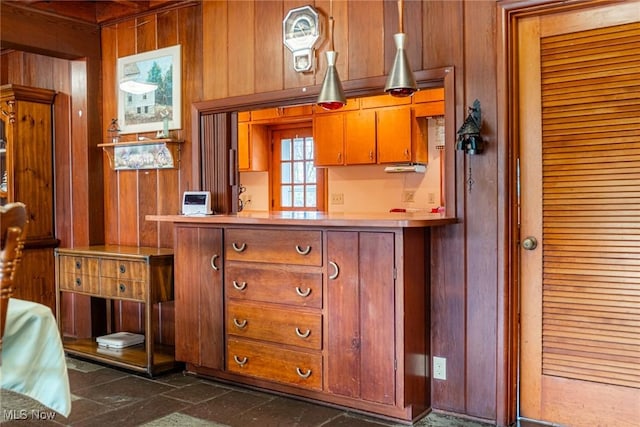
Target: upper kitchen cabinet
26,165
345,138
253,145
328,136
380,130
359,137
254,133
296,112
394,139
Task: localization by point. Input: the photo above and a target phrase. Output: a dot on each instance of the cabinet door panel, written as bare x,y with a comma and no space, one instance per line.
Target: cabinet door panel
328,138
377,316
361,316
243,147
343,311
360,137
394,135
199,296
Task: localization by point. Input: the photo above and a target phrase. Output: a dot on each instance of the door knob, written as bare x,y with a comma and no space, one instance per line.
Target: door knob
530,243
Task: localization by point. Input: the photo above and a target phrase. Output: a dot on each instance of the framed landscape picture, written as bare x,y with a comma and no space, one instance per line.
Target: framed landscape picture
149,91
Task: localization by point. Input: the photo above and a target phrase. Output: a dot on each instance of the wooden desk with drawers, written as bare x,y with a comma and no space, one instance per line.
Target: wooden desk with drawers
108,275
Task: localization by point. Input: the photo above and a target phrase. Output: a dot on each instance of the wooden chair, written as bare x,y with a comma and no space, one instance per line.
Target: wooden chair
13,221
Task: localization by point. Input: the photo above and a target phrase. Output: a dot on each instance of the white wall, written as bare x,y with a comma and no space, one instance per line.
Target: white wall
367,188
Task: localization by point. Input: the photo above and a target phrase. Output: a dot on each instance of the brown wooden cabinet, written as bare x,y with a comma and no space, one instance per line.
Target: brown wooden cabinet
278,113
253,147
345,138
394,138
26,175
328,139
360,336
375,130
199,300
334,314
360,137
110,275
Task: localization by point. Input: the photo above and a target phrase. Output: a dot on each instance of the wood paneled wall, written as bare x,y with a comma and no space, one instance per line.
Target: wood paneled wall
131,195
233,48
244,55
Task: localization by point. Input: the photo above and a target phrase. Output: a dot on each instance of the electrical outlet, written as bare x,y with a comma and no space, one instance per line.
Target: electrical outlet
337,198
431,198
408,196
439,368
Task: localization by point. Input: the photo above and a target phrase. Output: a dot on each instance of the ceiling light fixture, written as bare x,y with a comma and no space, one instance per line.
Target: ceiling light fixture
331,95
400,81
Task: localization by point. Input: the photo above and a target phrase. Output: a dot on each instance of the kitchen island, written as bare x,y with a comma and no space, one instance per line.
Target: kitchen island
329,307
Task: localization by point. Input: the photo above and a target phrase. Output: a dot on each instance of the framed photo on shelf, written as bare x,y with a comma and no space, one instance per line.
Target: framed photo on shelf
148,87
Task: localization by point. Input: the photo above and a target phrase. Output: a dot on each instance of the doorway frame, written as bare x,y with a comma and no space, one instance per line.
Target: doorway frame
224,134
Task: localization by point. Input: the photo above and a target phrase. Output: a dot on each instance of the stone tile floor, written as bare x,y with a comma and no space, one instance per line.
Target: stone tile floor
103,396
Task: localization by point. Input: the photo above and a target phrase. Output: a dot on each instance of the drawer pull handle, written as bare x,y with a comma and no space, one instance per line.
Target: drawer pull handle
303,251
123,269
301,293
241,286
239,248
336,270
301,335
78,282
240,324
213,262
303,375
122,287
78,265
239,361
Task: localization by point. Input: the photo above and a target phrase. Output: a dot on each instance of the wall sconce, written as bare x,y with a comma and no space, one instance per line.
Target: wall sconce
469,138
400,82
331,95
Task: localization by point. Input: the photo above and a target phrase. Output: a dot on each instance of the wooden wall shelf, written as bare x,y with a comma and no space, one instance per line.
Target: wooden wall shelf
143,154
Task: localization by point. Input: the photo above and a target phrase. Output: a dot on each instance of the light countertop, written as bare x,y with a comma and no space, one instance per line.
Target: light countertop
324,219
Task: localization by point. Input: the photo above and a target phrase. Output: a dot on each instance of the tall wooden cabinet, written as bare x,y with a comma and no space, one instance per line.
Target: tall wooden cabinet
361,354
199,320
26,173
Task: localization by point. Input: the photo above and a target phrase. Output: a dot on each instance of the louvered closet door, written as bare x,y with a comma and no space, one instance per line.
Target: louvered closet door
579,91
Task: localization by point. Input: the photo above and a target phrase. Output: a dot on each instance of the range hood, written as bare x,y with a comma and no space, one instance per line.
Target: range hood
406,167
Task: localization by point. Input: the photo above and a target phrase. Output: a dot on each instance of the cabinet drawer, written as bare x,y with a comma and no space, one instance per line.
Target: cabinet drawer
291,367
274,246
79,283
130,270
290,327
131,289
274,284
78,265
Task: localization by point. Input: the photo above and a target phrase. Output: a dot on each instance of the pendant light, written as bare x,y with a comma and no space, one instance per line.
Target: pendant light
400,81
331,95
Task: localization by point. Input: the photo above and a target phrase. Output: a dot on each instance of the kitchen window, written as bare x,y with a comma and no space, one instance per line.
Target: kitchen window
297,185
